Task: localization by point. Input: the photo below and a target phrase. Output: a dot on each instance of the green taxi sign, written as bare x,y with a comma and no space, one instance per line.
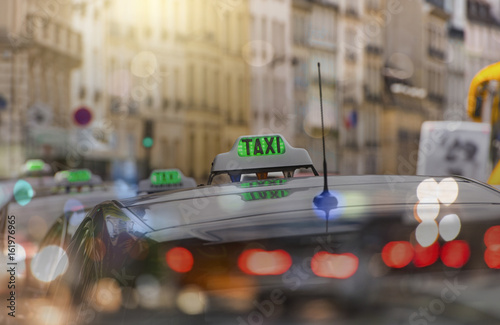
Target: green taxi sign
166,177
261,146
264,195
164,180
79,176
35,165
260,154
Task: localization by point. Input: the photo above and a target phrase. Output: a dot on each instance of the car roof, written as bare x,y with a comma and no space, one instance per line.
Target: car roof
273,198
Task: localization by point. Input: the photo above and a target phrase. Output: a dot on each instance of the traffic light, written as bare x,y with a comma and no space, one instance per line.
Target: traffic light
147,139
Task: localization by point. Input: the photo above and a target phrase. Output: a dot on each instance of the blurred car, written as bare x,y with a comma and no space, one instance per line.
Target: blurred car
369,249
42,216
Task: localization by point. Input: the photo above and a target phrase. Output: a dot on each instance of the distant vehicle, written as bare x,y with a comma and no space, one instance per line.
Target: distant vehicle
36,167
49,218
379,249
455,148
162,180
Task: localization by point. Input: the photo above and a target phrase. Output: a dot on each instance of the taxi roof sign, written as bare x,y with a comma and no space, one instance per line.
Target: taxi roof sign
36,166
165,179
77,177
260,154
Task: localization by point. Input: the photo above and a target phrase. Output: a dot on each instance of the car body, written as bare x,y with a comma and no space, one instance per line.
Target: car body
394,249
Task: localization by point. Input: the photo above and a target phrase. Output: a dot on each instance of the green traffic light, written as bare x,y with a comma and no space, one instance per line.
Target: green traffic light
147,142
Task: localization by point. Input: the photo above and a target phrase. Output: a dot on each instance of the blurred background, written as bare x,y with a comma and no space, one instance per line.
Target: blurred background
124,87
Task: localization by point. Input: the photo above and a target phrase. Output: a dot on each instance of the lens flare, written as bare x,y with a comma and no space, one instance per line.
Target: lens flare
449,227
23,192
191,300
455,253
180,259
447,191
337,266
427,189
427,233
149,290
397,254
107,295
49,263
425,256
72,205
428,209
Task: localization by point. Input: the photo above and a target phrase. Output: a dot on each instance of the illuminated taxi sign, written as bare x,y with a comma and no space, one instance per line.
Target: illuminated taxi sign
266,182
163,180
166,177
264,195
261,146
260,154
77,177
35,165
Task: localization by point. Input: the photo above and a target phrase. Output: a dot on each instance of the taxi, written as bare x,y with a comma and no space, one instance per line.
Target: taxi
336,249
162,180
36,220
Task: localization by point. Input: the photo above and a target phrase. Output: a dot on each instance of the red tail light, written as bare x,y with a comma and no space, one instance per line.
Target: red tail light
455,253
425,256
261,262
338,266
492,236
397,254
492,242
180,259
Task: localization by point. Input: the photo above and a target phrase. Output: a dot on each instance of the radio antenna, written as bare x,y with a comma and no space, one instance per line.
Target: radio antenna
325,201
325,187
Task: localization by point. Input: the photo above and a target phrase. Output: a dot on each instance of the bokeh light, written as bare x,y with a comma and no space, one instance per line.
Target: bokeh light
180,259
425,256
107,295
397,254
455,253
261,262
427,189
492,236
427,209
144,64
49,263
427,233
72,205
23,192
149,290
492,242
492,257
449,227
337,266
191,300
46,314
447,191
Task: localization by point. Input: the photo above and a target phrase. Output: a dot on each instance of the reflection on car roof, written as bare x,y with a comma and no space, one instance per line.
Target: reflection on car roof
274,197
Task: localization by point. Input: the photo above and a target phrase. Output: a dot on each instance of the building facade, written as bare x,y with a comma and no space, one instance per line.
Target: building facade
39,50
177,76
